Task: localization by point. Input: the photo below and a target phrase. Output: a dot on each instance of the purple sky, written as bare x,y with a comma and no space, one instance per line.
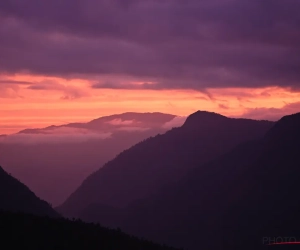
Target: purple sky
179,44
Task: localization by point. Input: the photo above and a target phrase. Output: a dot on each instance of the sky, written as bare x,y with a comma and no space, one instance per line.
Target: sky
75,60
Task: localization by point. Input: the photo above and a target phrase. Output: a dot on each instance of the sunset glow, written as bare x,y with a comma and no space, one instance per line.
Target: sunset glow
35,101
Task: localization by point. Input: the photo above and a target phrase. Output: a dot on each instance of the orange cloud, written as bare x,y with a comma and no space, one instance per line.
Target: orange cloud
272,114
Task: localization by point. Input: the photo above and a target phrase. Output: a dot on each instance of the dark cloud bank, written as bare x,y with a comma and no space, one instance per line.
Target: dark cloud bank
179,44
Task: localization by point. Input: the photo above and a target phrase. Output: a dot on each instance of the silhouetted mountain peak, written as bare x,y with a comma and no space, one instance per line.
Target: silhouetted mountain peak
286,128
231,199
201,117
289,121
154,163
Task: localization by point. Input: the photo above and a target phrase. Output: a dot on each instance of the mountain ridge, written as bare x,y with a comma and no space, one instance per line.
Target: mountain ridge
157,161
230,202
92,124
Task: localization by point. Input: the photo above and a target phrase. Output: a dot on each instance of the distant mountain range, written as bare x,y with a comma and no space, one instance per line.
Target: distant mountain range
120,122
53,161
233,201
159,161
237,185
213,183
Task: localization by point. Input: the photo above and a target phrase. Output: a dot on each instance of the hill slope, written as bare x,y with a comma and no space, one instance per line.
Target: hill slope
15,196
156,162
234,202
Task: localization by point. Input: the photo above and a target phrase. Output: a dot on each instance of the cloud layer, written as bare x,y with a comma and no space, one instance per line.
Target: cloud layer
59,135
178,121
177,44
272,114
83,133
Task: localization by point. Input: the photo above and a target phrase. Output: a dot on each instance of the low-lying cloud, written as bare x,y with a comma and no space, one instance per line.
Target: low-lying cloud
133,129
118,122
59,135
178,121
69,134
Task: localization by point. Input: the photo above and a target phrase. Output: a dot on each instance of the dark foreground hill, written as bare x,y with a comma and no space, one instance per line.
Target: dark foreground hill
242,200
23,231
159,161
28,222
15,196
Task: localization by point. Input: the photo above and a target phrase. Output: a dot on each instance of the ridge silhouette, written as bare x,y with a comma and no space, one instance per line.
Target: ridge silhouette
159,161
232,202
15,196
